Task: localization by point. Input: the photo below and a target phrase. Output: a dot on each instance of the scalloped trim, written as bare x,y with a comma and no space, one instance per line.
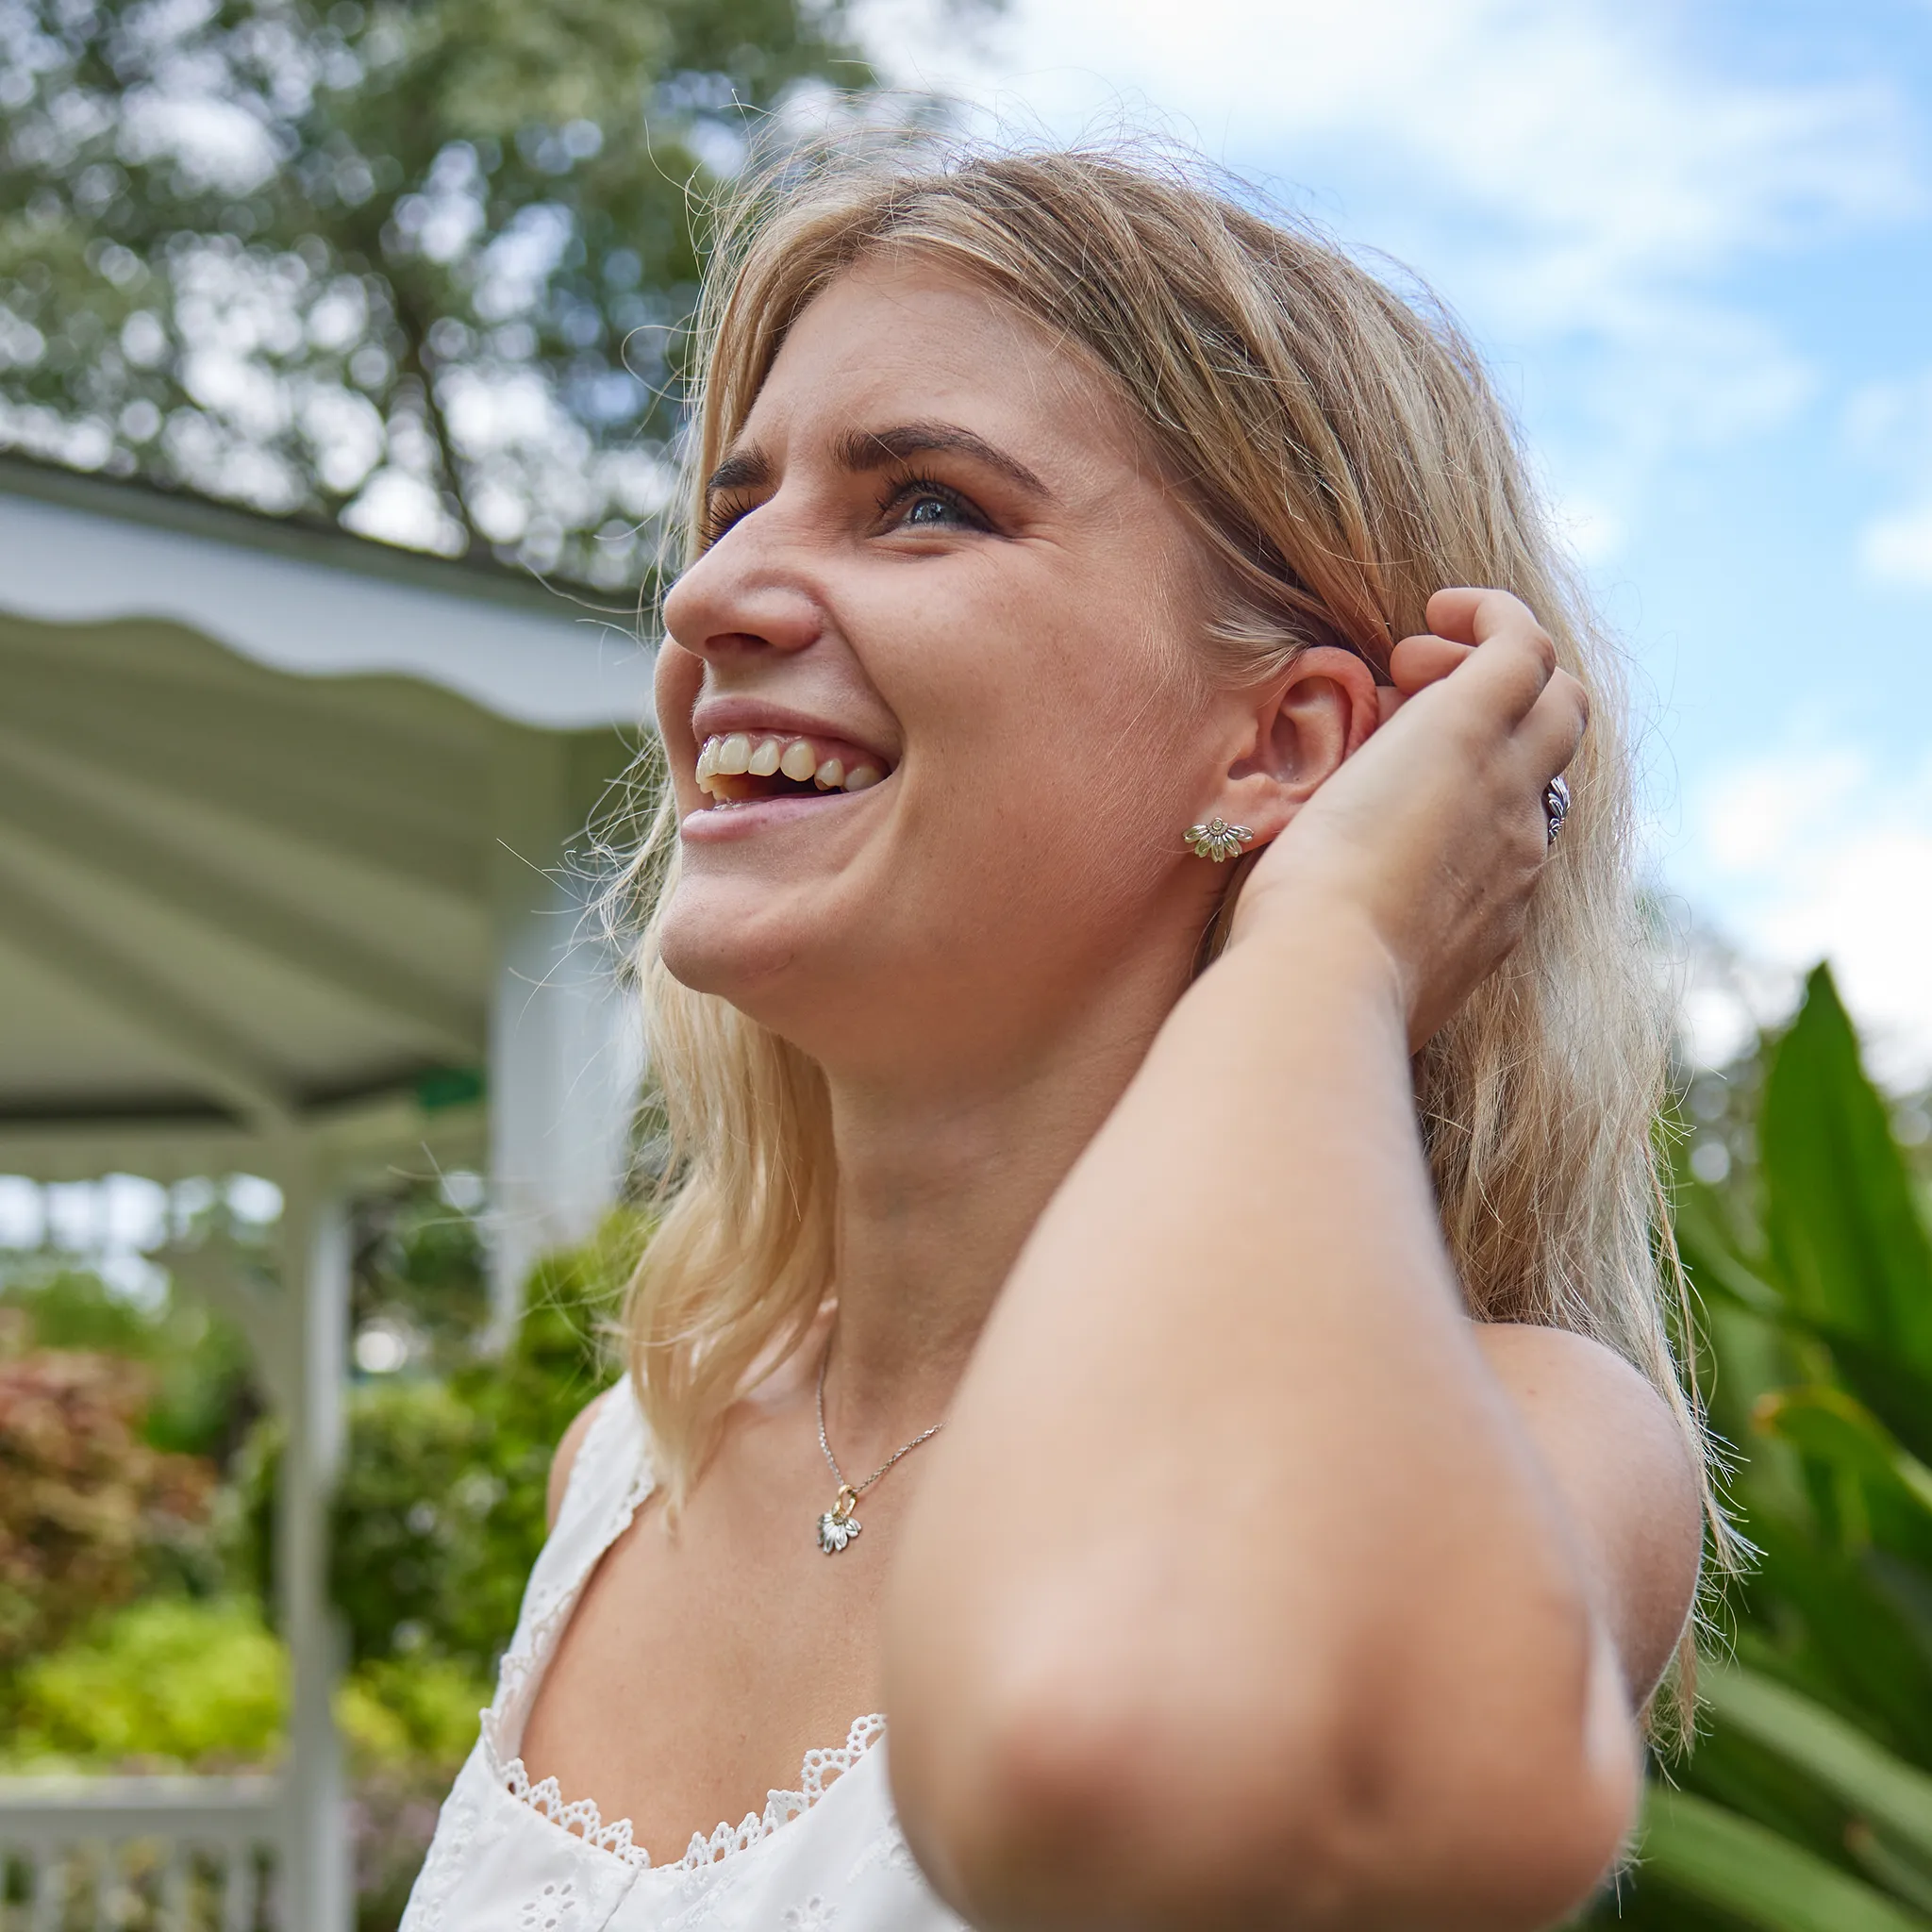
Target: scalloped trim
582,1818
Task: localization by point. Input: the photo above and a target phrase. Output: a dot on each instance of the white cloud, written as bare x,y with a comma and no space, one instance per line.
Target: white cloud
1575,177
1816,853
1889,424
1594,530
1578,129
1897,548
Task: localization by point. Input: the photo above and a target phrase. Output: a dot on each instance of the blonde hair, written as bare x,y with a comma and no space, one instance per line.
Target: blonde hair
1342,456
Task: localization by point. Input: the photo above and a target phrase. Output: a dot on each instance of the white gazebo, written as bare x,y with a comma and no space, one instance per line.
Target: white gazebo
292,883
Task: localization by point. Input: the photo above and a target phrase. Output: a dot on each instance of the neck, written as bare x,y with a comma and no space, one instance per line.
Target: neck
940,1180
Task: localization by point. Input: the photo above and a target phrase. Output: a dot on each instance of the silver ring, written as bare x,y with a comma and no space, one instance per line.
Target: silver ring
1556,806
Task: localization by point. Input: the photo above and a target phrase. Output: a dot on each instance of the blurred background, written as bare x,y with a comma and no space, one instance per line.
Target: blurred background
338,383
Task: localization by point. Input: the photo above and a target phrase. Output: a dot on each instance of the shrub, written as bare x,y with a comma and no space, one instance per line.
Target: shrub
164,1683
84,1498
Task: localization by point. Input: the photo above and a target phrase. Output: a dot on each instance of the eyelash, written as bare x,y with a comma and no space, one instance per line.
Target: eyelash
727,511
915,485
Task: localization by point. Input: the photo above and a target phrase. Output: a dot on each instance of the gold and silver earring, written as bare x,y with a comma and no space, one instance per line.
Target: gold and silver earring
1217,840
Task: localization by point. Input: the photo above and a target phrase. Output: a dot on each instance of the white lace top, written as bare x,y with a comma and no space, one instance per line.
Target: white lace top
510,1855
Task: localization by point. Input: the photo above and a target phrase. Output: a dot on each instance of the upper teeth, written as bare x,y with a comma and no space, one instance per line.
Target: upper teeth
737,751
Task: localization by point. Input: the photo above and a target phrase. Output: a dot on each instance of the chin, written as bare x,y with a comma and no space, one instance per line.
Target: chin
767,957
722,955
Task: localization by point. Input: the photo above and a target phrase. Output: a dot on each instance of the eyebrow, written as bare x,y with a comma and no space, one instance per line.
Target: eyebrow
864,450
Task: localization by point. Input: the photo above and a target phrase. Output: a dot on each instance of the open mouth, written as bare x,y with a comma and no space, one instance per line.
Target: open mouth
741,767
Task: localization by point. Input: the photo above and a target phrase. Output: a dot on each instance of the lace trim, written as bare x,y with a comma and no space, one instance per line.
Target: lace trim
581,1817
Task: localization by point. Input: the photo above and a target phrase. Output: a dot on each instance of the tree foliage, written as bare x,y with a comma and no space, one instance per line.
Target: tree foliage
417,267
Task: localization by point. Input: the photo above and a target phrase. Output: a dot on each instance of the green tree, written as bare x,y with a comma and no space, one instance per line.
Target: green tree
417,267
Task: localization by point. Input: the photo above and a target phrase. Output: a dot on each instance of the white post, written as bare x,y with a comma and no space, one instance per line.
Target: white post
317,1877
563,1056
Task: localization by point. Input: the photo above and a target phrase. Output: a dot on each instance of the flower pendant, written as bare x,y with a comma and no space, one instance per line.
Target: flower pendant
838,1526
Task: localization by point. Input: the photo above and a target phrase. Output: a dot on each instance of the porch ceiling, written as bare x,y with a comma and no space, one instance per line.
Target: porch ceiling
245,889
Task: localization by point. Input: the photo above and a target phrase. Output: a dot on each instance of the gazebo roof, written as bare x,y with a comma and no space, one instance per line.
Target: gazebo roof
273,803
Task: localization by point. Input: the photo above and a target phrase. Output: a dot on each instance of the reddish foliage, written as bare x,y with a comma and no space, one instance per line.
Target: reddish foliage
82,1496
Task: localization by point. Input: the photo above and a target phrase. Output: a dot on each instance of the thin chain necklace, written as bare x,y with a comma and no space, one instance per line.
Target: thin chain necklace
838,1526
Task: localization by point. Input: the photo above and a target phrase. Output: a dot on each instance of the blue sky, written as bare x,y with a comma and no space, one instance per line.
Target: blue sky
1695,243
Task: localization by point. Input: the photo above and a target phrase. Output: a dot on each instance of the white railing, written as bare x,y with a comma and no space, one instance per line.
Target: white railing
140,1855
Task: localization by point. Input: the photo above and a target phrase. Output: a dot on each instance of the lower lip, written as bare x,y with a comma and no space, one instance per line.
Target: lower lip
712,822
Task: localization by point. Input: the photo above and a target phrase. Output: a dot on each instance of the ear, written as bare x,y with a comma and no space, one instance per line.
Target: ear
1295,731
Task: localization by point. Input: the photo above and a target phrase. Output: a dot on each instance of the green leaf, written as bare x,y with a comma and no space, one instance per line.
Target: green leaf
1846,1241
1710,1254
1696,1847
1838,1428
1883,1790
1894,1870
1826,1615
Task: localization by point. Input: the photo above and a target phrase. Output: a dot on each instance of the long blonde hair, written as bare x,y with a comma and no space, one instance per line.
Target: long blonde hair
1342,456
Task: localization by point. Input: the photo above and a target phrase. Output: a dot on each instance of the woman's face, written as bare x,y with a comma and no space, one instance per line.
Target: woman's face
950,595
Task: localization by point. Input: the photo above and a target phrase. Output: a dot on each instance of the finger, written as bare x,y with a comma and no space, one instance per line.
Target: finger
1424,660
1548,738
1473,613
1514,657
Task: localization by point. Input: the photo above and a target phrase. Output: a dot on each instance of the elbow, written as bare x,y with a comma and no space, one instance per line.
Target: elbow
1058,1798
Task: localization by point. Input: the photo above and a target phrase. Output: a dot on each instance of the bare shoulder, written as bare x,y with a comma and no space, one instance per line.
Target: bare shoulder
1588,1385
1628,1472
565,1458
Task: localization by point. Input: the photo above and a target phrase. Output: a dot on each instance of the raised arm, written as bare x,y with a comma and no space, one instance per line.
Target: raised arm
1253,1587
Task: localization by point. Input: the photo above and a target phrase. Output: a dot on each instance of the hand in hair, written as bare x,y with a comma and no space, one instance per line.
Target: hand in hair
1432,836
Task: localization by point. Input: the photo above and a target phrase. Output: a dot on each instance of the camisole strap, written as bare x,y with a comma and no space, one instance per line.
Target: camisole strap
611,1480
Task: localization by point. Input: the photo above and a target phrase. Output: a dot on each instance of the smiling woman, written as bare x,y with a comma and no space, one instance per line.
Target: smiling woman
1226,1290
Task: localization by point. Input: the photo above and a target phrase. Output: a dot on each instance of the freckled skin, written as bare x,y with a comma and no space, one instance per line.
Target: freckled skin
1028,680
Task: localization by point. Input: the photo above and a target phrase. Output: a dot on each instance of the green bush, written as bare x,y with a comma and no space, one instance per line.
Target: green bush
167,1682
440,1506
202,1396
87,1505
400,1714
176,1683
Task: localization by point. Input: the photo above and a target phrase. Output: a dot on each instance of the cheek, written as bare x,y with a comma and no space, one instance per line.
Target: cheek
1067,802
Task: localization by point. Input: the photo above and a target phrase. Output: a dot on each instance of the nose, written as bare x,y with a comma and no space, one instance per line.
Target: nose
750,591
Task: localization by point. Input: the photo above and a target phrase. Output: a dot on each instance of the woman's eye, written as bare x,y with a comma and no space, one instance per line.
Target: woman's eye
918,505
720,515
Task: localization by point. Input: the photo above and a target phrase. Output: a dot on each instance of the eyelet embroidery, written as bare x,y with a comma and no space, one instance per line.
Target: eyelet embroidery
547,1911
580,1816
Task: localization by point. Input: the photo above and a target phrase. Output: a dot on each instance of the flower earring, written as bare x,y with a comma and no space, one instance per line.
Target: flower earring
1217,840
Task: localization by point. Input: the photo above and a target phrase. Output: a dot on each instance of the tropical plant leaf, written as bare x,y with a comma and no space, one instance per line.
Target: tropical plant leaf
1710,1254
1693,1846
1824,1616
1882,1790
1846,1241
1826,1422
1893,1869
